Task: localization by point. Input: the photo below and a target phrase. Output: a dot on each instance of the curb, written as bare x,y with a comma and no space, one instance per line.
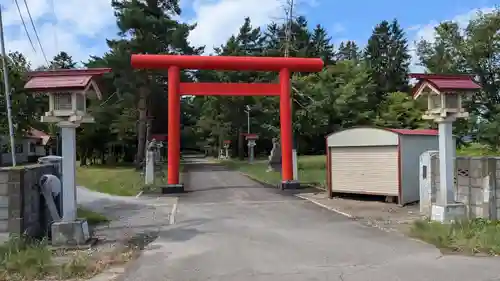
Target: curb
259,181
325,206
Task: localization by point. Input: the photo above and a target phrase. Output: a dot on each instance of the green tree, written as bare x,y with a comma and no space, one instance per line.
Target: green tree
62,61
321,45
26,108
400,110
475,50
146,27
338,98
227,114
387,56
348,50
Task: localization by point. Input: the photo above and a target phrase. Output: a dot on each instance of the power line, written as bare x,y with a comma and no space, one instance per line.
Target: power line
24,24
36,32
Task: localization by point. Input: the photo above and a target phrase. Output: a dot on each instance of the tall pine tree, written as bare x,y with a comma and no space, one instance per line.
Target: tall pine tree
147,27
388,59
348,50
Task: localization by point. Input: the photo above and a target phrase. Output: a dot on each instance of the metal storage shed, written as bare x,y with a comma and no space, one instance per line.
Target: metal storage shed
377,161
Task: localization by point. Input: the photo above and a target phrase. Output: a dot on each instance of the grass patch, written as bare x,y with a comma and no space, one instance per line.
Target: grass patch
125,181
312,170
476,149
92,217
26,260
468,236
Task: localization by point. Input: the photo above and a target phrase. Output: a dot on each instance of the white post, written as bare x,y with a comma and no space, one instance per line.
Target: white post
68,134
150,168
446,163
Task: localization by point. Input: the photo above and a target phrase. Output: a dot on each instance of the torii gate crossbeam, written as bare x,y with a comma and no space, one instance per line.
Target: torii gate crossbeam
175,63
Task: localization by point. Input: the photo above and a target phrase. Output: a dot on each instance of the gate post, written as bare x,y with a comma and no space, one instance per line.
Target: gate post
286,130
174,112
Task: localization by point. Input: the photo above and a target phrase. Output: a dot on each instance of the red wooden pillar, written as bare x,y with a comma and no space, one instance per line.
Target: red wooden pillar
174,116
286,125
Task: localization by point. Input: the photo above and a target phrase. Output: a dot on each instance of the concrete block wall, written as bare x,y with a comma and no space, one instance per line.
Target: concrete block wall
476,182
21,209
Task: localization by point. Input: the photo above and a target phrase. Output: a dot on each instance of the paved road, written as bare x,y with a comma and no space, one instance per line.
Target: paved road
229,228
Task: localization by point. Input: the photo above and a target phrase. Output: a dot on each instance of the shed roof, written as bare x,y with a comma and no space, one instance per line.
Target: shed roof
373,136
418,132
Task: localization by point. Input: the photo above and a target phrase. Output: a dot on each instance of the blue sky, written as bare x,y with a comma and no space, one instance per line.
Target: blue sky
82,26
359,17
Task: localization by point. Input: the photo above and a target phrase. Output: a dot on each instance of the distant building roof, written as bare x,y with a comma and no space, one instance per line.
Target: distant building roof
37,134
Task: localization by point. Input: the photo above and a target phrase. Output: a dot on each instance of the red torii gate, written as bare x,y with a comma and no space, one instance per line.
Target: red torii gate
174,63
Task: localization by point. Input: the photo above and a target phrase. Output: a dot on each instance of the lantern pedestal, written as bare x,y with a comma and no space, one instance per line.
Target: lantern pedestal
446,163
70,233
68,135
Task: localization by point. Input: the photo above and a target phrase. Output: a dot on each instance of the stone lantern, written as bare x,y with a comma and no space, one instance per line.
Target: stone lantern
70,104
251,143
445,95
68,91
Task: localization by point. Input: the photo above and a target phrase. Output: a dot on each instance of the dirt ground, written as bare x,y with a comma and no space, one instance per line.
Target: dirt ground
369,210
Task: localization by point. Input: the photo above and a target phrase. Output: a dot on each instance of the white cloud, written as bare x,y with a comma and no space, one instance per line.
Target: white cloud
426,32
218,20
82,22
77,23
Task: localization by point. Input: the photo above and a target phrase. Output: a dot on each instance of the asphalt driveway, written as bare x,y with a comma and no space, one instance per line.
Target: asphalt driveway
231,228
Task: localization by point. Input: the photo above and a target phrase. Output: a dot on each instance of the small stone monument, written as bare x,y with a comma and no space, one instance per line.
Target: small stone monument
274,163
150,163
227,144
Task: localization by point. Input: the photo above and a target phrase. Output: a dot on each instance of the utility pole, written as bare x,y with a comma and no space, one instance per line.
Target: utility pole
288,28
7,91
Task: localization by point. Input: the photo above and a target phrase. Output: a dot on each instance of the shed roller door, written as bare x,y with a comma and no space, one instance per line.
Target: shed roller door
365,170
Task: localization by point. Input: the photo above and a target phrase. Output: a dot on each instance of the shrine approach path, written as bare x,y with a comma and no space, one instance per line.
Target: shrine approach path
228,227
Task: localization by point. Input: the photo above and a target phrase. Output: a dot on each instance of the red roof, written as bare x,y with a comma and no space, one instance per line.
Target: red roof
62,79
421,132
454,84
159,137
58,82
69,72
37,134
446,82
